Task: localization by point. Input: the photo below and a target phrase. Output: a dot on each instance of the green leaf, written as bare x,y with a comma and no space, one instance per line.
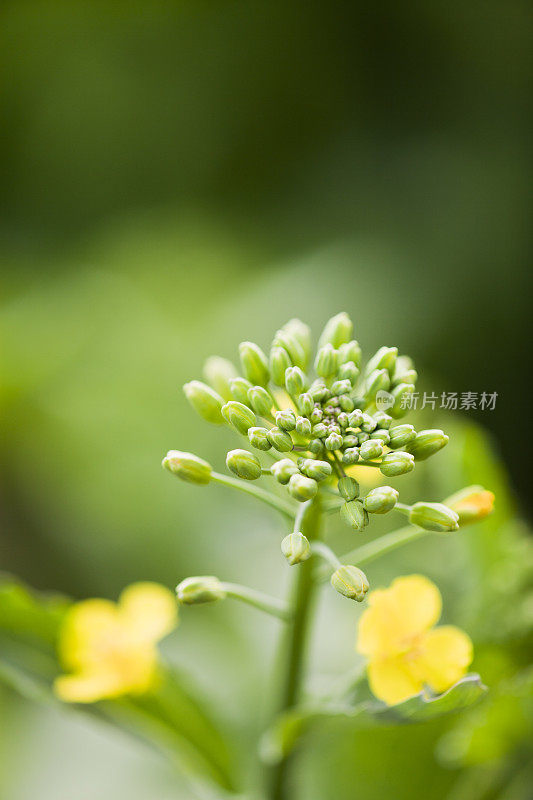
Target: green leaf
290,728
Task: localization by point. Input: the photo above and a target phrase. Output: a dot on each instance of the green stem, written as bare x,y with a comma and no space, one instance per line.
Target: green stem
294,646
270,499
326,553
402,508
264,602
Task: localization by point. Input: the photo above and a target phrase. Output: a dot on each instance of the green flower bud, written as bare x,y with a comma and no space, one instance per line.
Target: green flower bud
342,419
381,500
381,435
348,488
306,404
218,372
371,449
319,391
383,420
346,403
295,381
302,333
296,548
351,351
280,440
377,381
368,424
286,419
341,387
326,361
279,362
356,418
303,426
302,488
316,446
363,437
254,363
337,331
397,463
205,401
355,515
239,388
398,393
401,435
283,470
244,464
187,466
350,456
472,504
434,517
200,589
426,443
259,438
290,343
348,371
409,376
260,400
385,358
316,416
350,440
320,430
404,371
318,470
351,582
333,441
238,415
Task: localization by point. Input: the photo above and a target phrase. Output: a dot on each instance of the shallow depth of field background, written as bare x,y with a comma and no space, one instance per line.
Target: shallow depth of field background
182,176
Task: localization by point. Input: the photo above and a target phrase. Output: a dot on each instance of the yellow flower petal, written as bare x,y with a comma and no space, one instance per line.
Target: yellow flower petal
88,630
149,609
87,688
397,615
443,657
391,681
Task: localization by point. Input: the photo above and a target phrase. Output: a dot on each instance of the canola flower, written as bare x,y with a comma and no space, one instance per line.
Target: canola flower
406,653
109,649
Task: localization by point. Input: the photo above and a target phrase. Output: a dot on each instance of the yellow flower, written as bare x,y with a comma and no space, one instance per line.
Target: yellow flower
472,504
405,652
110,648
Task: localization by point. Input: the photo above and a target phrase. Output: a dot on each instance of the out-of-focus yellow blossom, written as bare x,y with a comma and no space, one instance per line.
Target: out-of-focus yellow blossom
109,648
472,504
405,652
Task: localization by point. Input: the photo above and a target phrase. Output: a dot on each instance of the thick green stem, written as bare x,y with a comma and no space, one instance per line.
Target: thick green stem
294,646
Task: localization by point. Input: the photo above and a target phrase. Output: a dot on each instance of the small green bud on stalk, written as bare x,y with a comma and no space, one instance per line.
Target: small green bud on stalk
348,371
341,387
326,361
244,464
260,400
302,333
283,470
355,515
286,419
199,590
377,381
401,435
333,441
351,582
398,393
342,419
368,424
316,446
350,456
316,416
303,426
290,343
409,376
383,420
337,331
472,504
279,362
239,388
350,440
296,548
385,358
254,363
306,404
321,430
381,500
351,351
434,517
363,436
356,418
318,470
295,381
280,440
205,401
302,488
258,438
404,371
346,403
373,448
397,463
239,415
319,391
218,372
348,488
381,435
188,467
428,442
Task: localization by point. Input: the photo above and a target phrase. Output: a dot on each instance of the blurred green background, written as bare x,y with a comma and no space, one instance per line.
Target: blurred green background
178,177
